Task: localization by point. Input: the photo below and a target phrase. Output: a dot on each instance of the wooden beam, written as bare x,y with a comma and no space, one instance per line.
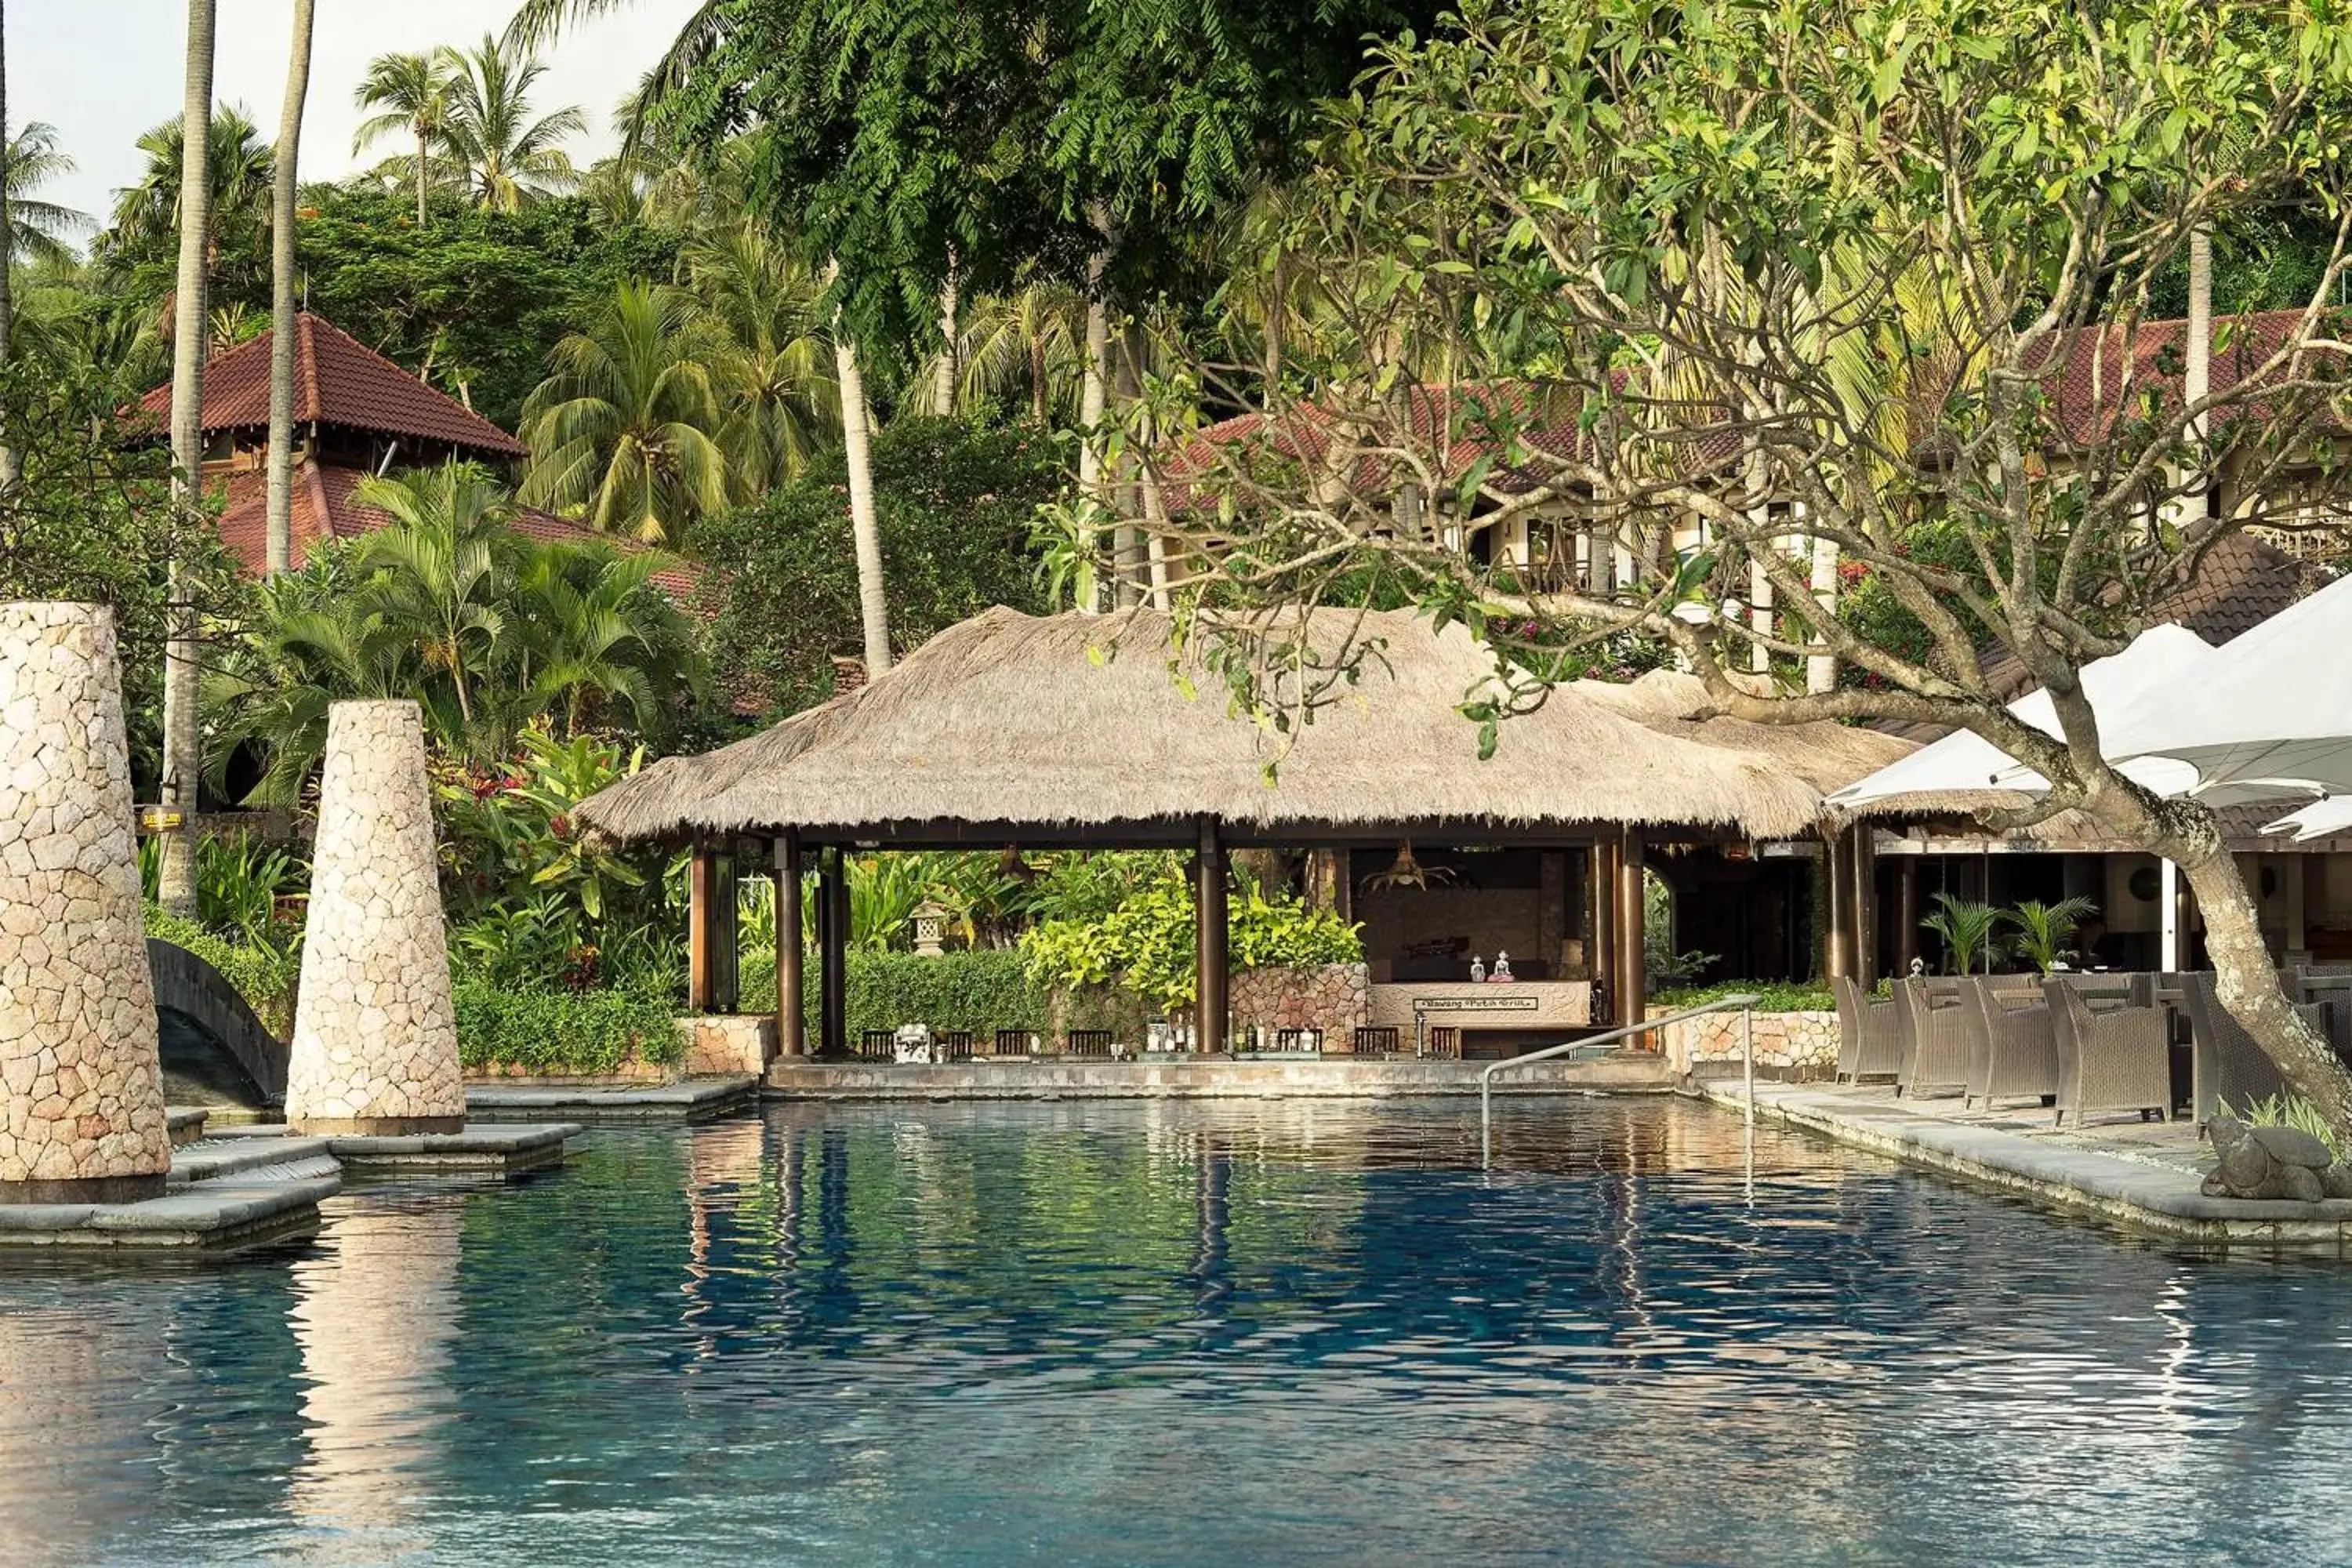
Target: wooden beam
1209,939
833,954
1601,878
1837,930
701,934
791,990
1906,913
1633,969
1861,856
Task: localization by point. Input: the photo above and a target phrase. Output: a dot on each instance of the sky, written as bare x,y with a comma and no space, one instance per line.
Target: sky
102,71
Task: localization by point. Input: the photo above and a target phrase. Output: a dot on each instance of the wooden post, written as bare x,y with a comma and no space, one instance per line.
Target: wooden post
1632,972
1864,856
1837,930
833,953
1600,874
792,993
701,937
1906,914
1209,940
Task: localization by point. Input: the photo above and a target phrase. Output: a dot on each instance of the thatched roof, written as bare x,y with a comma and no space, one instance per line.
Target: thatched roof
1079,721
1825,757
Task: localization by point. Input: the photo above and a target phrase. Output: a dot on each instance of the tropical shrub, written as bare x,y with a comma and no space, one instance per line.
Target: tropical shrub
1970,933
2044,930
1145,944
510,834
1777,996
582,1032
265,976
2290,1110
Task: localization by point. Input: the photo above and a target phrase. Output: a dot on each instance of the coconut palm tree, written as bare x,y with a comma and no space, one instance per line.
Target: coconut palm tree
506,158
193,211
35,232
626,428
1026,346
770,360
311,643
278,537
237,166
411,95
537,23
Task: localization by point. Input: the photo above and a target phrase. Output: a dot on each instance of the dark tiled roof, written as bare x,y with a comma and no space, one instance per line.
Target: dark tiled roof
338,380
325,507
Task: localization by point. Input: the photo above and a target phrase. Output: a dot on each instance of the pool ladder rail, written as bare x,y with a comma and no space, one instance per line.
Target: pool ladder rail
1743,1003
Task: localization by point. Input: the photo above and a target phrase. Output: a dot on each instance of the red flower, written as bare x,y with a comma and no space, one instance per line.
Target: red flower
559,826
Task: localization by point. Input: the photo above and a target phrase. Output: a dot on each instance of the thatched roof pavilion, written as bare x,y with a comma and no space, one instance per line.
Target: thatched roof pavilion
1048,727
1100,732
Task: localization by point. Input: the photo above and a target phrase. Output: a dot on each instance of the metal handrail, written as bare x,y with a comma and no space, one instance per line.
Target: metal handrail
1745,1002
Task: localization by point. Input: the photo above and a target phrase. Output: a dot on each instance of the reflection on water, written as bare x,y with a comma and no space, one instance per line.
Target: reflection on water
1182,1333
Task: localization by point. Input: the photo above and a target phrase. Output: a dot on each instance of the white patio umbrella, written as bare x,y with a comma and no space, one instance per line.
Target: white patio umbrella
2274,708
2158,661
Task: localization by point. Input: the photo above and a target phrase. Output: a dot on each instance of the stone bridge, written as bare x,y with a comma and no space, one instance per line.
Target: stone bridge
215,1051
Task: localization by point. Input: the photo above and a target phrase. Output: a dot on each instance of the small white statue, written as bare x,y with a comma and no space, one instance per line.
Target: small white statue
1477,969
1502,968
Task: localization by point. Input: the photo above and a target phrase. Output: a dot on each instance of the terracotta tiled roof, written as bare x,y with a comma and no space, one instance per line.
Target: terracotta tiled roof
338,380
325,507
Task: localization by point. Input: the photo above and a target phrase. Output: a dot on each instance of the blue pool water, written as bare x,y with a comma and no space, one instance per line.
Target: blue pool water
1184,1335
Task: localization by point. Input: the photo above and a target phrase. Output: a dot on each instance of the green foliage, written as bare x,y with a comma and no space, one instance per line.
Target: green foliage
1145,944
954,503
477,299
1777,996
1970,933
264,975
982,992
490,631
509,837
562,1032
2286,1109
2044,930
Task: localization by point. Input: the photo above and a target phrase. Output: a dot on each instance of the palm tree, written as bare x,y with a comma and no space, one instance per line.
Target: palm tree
506,158
771,362
278,541
596,635
440,573
536,24
236,167
411,95
35,231
176,882
1029,344
625,427
311,642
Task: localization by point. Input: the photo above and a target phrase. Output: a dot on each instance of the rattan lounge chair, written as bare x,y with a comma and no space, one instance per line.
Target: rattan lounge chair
1935,1040
1870,1037
2229,1067
2014,1053
2115,1060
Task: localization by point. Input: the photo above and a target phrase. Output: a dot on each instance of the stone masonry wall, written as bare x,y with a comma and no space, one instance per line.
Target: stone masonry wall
78,1052
1333,997
375,1041
1788,1044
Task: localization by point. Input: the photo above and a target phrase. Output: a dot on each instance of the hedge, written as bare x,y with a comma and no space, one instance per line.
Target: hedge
981,991
1779,996
582,1032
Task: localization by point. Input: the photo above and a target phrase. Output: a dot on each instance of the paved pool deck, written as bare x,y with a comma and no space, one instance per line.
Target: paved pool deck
2141,1175
220,1197
685,1099
1193,1077
489,1149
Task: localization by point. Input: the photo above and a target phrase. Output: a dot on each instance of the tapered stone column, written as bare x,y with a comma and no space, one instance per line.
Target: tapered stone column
375,1041
78,1057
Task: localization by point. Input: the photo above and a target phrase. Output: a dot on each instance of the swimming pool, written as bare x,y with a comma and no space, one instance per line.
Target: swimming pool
1197,1333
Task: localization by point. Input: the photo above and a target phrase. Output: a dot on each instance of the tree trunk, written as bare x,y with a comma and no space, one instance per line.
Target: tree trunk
873,604
2197,372
280,506
1093,382
1130,552
2246,983
1038,407
424,142
182,755
947,369
9,466
1820,668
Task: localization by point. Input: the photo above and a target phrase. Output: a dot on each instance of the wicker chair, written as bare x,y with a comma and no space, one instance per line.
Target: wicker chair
2013,1048
1934,1041
2229,1067
2115,1060
1870,1037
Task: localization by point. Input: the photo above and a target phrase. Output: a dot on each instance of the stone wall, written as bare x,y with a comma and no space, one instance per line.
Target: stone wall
1788,1044
375,1041
78,1052
728,1044
1333,997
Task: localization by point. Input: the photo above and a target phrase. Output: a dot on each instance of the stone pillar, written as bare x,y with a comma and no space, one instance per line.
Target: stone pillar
375,1041
82,1082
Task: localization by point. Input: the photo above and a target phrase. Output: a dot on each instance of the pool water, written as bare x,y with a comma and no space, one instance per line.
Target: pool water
1184,1333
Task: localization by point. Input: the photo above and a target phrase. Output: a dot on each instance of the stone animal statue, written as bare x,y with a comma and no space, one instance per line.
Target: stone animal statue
2271,1163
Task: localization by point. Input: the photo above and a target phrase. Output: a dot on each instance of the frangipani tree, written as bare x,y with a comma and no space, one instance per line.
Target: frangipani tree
1654,272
